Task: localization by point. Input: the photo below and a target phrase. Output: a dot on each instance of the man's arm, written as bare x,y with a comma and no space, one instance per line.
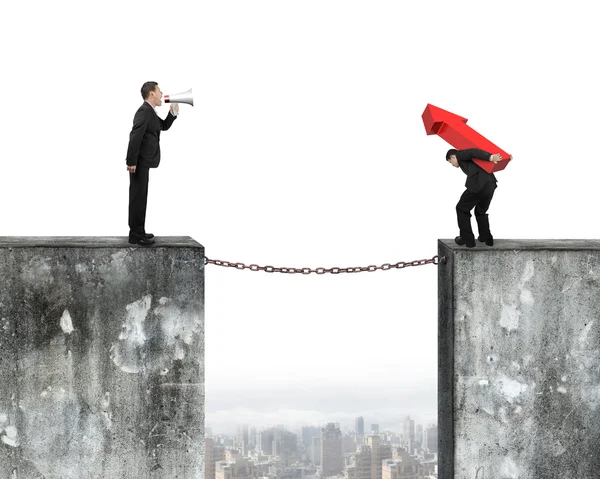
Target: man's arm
471,153
140,122
171,116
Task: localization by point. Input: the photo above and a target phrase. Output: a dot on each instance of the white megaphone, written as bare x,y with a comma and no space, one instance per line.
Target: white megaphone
185,97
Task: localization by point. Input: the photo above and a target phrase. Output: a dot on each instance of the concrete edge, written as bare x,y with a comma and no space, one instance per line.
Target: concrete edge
527,244
94,242
445,363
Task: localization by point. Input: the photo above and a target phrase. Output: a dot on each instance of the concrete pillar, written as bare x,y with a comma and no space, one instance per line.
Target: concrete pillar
519,360
101,358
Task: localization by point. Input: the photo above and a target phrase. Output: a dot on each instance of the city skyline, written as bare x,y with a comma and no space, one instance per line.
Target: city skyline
289,420
323,452
297,407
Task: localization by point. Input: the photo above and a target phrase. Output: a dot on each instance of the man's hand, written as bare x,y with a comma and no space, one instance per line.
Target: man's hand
496,158
174,107
131,169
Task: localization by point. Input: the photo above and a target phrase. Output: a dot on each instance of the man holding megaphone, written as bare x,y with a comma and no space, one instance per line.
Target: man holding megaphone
143,153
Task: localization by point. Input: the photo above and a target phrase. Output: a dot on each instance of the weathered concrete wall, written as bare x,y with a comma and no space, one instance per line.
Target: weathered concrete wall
101,358
519,360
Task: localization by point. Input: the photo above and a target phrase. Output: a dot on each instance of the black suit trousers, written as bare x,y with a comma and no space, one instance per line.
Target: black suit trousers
481,202
138,199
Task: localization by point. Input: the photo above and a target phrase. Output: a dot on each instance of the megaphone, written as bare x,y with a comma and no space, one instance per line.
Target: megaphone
185,97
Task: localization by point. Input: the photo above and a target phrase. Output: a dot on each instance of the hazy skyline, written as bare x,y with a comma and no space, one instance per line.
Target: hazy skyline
296,407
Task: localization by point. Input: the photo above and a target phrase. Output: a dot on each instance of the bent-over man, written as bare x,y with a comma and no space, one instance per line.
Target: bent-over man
480,187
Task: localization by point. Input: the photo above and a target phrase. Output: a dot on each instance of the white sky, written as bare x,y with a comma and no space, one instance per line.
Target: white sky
305,148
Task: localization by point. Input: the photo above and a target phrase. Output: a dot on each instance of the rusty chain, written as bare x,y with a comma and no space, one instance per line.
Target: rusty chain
356,269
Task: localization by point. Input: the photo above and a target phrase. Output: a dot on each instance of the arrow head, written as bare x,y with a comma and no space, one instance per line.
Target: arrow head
434,118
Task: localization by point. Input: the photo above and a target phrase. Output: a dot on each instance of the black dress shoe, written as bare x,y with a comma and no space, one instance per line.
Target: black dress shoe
140,240
469,244
488,241
149,235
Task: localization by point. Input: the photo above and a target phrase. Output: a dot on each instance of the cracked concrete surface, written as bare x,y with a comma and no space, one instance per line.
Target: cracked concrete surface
101,358
520,360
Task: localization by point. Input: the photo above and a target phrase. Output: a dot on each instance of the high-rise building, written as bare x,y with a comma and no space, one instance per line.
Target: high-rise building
235,467
212,455
242,439
401,466
361,469
265,441
308,432
409,430
430,439
332,460
316,450
276,441
285,445
419,436
374,428
379,452
359,426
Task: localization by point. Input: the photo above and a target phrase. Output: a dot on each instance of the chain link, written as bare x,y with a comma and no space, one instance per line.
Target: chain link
335,270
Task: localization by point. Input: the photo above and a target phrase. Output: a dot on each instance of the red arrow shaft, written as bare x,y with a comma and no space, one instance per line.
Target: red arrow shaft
462,136
454,130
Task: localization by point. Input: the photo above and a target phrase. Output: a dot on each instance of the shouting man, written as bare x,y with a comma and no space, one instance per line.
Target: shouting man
143,153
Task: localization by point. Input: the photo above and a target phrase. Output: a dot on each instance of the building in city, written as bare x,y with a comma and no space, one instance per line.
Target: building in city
316,451
401,466
265,441
379,452
430,439
419,436
308,432
212,455
276,441
359,426
235,466
287,445
409,432
242,439
332,460
361,468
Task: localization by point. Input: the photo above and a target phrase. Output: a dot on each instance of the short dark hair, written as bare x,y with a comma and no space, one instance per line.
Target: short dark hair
147,88
450,153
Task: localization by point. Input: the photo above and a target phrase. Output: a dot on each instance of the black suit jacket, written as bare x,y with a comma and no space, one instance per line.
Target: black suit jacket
477,177
144,147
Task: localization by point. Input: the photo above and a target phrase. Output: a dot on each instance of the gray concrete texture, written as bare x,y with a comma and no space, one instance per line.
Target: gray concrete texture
519,360
101,358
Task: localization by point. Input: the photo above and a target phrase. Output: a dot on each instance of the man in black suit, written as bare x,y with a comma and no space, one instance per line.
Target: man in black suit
143,153
480,189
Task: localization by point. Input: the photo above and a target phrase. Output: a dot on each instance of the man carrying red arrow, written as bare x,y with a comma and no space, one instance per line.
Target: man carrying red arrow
480,189
475,163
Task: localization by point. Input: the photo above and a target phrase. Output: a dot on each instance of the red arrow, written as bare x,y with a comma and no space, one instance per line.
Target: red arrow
454,130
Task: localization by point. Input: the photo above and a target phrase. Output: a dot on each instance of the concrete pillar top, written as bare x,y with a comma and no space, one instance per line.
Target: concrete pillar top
527,244
93,242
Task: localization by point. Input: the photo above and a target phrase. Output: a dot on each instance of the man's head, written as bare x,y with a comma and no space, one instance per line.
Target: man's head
151,93
451,157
